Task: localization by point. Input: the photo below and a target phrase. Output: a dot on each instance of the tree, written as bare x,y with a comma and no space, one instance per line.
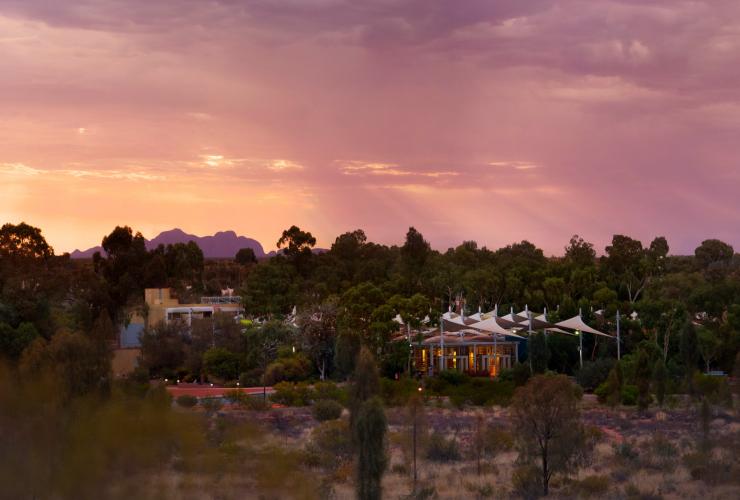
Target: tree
347,347
660,379
625,259
365,382
709,345
270,288
643,375
245,256
369,432
221,363
163,348
689,348
124,266
72,360
22,241
414,254
579,252
539,352
418,428
614,384
713,252
14,340
297,246
549,429
318,333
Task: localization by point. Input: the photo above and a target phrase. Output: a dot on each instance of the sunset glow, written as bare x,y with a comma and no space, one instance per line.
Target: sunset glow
493,121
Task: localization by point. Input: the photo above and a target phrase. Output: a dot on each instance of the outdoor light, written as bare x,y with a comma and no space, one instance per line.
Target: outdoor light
237,384
165,380
420,389
211,385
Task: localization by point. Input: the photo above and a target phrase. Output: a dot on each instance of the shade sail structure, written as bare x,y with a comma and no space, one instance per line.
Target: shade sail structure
538,324
514,318
454,324
576,323
490,325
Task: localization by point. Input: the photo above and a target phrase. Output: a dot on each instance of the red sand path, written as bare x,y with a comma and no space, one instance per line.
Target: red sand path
206,391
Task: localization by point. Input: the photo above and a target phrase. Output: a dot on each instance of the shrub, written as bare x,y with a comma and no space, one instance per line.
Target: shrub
186,401
290,394
398,392
711,387
453,377
330,445
442,449
626,453
221,363
291,369
326,409
629,395
481,392
330,390
256,403
519,374
250,378
594,373
526,482
602,392
592,486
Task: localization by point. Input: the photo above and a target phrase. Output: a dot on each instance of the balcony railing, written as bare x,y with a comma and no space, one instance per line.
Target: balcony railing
223,299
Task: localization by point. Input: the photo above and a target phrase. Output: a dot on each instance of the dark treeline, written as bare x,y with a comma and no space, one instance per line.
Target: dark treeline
348,296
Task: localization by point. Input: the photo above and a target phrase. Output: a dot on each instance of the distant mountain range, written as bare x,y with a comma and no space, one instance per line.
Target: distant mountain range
222,245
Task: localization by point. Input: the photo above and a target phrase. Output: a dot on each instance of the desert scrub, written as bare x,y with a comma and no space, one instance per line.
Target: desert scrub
326,409
442,449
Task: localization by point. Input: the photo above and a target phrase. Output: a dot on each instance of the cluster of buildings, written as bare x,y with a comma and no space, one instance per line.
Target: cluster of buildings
483,343
161,306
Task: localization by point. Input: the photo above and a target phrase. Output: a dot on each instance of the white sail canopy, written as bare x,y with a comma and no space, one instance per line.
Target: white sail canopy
576,323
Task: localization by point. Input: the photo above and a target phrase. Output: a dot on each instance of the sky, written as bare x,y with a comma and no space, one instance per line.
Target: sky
484,120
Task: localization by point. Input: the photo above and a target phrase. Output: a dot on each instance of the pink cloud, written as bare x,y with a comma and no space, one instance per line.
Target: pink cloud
493,121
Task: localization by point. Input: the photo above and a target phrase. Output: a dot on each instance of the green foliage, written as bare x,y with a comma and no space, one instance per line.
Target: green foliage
292,369
442,449
643,375
330,390
630,395
519,374
326,409
365,382
163,348
660,381
550,435
347,349
290,394
612,392
245,256
594,373
221,363
14,340
330,445
539,352
370,427
398,392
